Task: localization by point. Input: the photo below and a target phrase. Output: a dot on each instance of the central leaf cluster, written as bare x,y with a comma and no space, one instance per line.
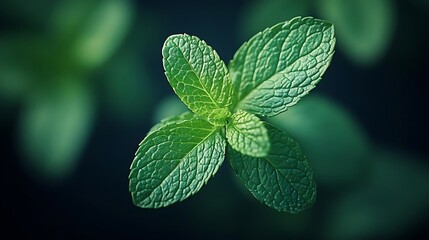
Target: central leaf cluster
268,74
202,81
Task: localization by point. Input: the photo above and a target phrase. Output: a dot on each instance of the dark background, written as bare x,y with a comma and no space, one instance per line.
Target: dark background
388,99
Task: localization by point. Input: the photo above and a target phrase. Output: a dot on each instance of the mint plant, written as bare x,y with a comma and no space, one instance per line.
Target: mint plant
267,75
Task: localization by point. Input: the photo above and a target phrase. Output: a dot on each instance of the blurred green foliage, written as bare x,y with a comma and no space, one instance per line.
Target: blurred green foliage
387,202
336,147
51,71
91,30
262,14
364,28
54,128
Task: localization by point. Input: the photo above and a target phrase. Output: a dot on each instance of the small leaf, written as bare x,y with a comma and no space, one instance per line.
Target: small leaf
278,66
198,76
283,179
174,162
246,133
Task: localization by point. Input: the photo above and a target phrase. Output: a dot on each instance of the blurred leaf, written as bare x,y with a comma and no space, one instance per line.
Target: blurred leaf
25,57
92,30
335,146
394,198
364,27
13,83
54,128
261,14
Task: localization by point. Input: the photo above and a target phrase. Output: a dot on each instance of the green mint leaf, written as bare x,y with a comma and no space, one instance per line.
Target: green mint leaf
246,133
174,162
198,76
283,179
278,66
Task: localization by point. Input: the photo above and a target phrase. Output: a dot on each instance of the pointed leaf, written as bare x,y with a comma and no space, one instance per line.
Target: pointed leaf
198,76
246,133
283,179
174,162
278,66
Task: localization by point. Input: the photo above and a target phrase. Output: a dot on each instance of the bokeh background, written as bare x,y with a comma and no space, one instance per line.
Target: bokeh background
81,82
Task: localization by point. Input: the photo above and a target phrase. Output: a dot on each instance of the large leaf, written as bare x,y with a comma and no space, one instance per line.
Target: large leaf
246,133
278,66
283,179
198,76
174,162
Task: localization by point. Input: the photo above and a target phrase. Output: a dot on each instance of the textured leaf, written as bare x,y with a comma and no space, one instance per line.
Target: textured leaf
364,27
198,76
278,66
246,133
174,162
283,179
